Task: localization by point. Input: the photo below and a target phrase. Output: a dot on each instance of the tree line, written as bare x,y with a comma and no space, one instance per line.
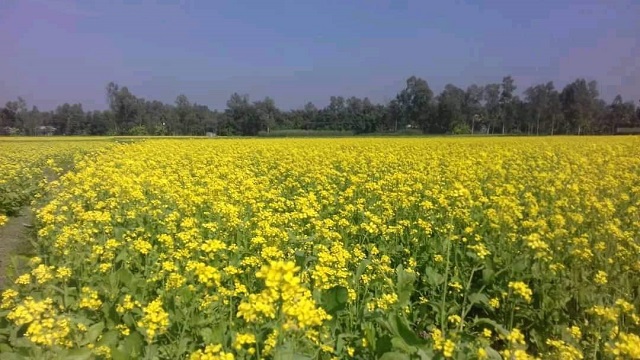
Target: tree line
488,109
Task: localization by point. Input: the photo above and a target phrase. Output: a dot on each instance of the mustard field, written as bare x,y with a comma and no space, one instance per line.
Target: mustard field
413,248
26,164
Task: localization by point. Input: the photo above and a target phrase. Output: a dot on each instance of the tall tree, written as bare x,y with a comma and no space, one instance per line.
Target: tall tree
579,105
309,117
542,99
354,115
267,114
336,112
241,116
473,111
618,113
98,122
507,103
185,115
125,107
68,119
451,104
416,106
32,120
492,106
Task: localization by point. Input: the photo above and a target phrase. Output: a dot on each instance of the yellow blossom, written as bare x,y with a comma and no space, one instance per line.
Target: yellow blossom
521,289
89,299
155,320
600,277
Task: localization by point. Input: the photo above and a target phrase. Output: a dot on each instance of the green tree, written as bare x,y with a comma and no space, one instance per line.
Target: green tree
416,106
309,116
240,116
31,121
543,100
185,115
336,113
354,115
618,113
126,108
507,107
473,111
68,119
98,122
12,117
268,115
579,105
492,106
451,117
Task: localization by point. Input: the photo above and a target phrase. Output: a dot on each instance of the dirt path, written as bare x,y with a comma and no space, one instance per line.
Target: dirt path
14,240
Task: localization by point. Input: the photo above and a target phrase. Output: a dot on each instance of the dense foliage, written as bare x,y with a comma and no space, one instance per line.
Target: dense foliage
337,248
488,109
25,167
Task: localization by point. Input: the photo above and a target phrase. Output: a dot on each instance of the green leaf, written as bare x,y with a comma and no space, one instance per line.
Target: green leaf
399,344
119,232
520,266
286,353
383,345
488,275
432,276
476,298
404,286
110,338
362,267
405,332
335,299
117,354
425,354
340,344
124,276
92,333
79,354
22,342
370,334
128,319
133,344
492,353
111,315
207,335
300,257
393,355
12,356
56,288
151,351
183,344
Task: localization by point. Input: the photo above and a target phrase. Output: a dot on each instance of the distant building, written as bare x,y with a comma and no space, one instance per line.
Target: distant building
45,130
628,130
7,130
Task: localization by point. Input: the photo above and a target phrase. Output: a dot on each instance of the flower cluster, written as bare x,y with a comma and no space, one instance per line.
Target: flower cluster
155,320
283,292
45,326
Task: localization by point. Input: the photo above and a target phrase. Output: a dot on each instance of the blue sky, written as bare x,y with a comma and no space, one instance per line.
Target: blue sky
56,51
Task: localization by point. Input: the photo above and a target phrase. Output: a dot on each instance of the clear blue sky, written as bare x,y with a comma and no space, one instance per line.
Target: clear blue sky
297,51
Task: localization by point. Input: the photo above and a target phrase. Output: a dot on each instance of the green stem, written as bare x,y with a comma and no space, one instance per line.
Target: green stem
464,311
443,314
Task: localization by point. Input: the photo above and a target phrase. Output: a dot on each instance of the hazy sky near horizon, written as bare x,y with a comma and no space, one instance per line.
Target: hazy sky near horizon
56,51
